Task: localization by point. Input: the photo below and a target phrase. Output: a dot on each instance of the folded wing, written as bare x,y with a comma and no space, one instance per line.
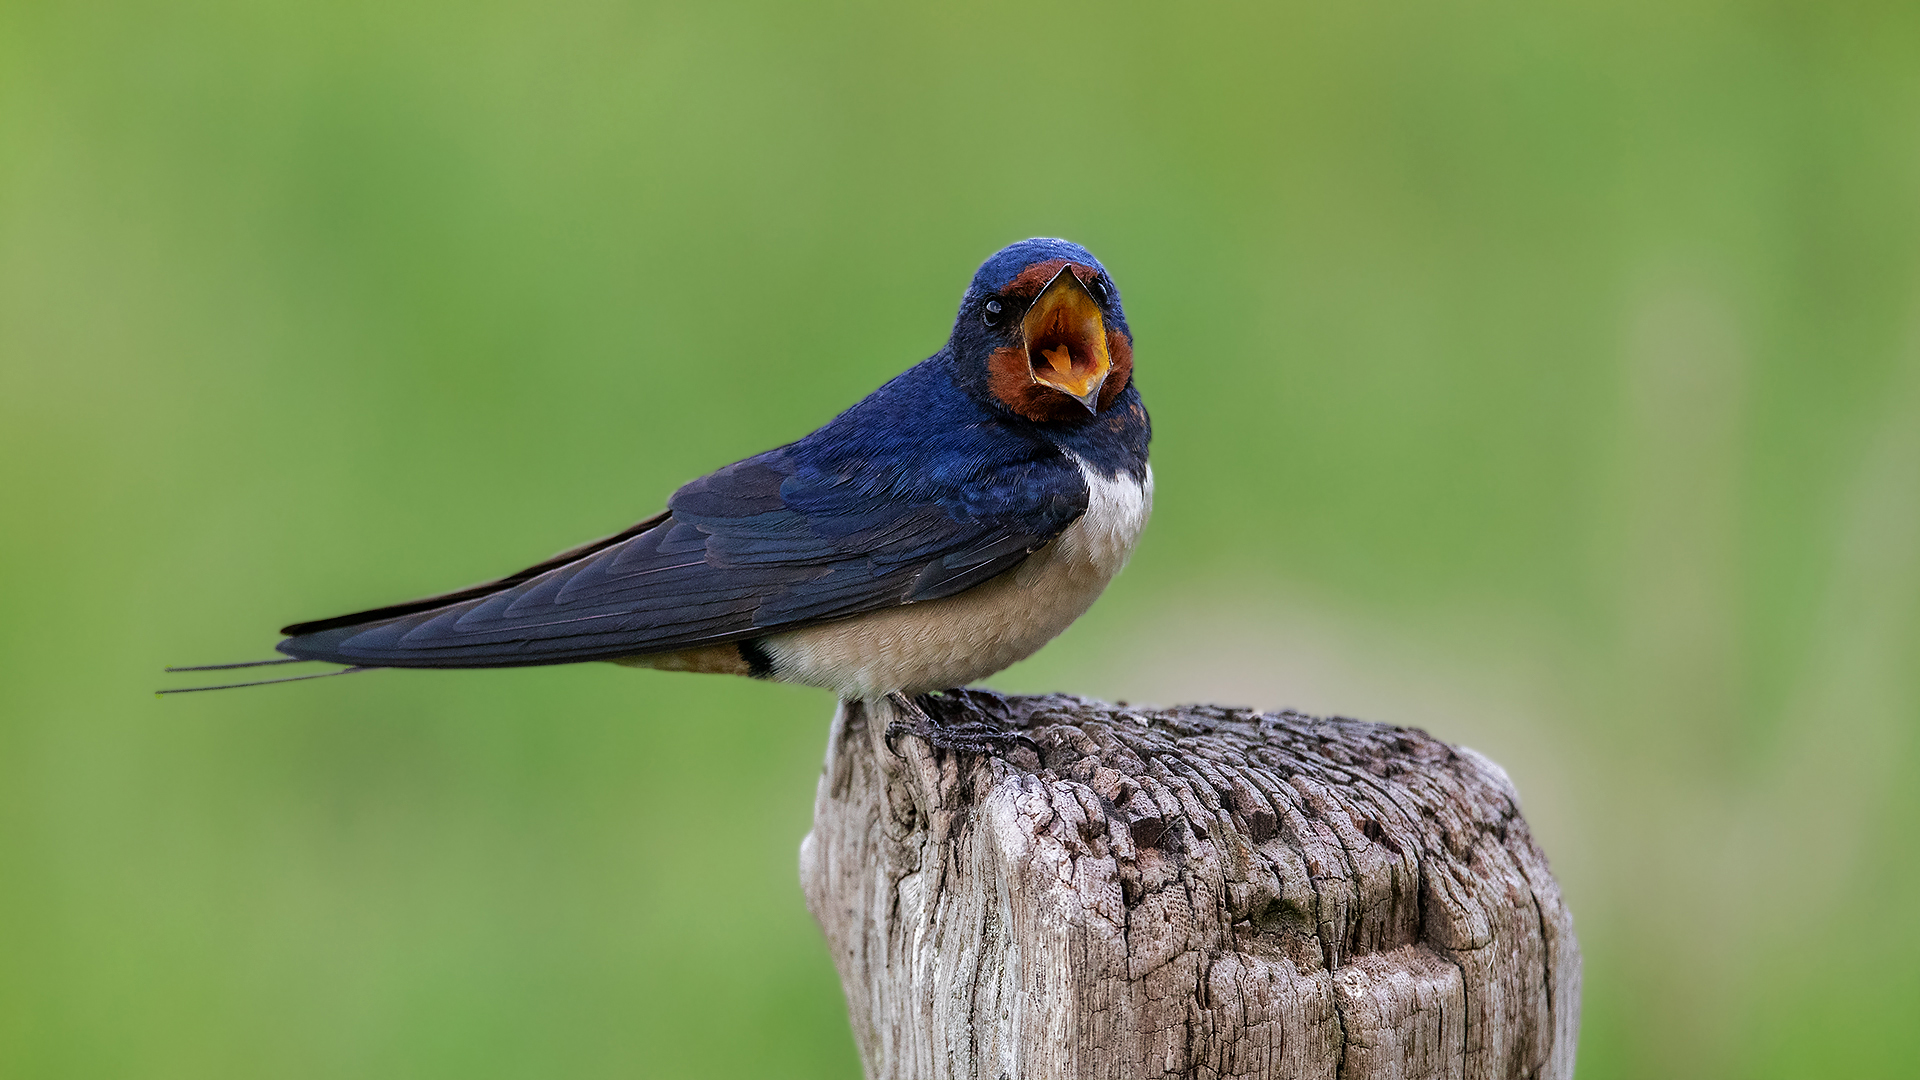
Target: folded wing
761,546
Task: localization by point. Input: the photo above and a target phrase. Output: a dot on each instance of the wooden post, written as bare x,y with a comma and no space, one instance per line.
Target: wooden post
1193,892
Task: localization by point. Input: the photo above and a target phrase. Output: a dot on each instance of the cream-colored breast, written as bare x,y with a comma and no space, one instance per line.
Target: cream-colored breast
937,644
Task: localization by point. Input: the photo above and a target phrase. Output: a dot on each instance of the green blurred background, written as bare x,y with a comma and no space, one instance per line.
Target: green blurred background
1546,376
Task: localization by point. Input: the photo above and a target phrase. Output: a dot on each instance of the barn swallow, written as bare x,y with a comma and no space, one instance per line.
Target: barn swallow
948,525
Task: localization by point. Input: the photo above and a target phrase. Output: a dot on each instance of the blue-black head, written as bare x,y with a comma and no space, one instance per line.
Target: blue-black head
1041,333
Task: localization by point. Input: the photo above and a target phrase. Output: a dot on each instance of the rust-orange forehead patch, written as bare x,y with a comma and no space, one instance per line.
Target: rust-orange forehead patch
1030,281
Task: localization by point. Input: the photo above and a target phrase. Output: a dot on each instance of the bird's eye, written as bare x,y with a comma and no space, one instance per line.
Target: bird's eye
990,313
1098,287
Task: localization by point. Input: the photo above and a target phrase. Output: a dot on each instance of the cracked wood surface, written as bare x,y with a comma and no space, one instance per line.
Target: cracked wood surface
1192,892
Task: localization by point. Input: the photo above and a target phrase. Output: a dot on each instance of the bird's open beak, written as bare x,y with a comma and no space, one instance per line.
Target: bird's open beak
1067,340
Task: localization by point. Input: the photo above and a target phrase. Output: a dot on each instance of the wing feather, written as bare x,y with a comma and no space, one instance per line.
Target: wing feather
761,546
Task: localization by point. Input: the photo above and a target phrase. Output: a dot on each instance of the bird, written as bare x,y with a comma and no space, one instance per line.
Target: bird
949,524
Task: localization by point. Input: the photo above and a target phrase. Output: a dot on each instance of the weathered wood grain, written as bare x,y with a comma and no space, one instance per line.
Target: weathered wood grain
1193,892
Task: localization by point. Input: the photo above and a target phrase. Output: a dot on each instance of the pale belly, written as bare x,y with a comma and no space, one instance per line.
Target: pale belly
953,641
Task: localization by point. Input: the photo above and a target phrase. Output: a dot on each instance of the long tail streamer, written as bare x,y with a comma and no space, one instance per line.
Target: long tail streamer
260,682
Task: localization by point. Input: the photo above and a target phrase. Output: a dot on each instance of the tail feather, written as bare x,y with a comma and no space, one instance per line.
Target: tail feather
259,682
316,640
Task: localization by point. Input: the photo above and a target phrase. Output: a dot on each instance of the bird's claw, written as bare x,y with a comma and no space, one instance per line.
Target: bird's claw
967,737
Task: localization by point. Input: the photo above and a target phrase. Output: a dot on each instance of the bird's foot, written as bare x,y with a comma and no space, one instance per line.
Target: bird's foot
970,736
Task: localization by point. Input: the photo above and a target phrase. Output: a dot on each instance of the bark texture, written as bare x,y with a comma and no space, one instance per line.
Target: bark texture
1191,892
